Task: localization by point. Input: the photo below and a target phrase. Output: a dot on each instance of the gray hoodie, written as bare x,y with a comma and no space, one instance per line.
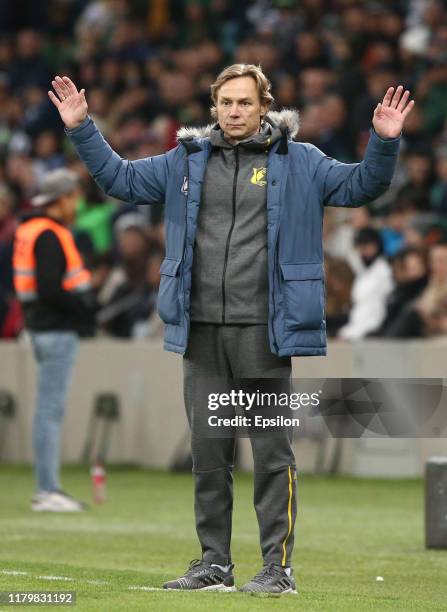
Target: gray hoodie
229,275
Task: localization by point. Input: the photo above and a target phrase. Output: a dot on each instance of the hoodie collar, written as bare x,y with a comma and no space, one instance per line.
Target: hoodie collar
260,141
286,120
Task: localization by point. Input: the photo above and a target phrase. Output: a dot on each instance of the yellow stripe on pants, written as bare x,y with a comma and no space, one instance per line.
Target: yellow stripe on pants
289,514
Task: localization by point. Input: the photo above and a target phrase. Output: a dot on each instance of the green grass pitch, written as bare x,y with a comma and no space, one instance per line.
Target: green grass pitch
348,532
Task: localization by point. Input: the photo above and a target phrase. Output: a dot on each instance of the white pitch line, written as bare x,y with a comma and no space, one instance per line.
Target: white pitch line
94,582
65,578
144,588
68,579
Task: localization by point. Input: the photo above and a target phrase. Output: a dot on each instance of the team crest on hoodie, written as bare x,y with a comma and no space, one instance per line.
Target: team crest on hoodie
259,176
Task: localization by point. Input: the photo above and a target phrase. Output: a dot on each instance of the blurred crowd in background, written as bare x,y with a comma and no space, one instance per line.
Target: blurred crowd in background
147,66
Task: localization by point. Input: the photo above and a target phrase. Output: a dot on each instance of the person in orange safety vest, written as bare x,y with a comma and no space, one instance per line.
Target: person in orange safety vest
53,287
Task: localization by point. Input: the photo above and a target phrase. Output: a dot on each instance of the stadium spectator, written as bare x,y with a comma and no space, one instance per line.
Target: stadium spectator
421,317
29,67
371,287
147,323
435,293
420,178
423,231
10,315
128,296
94,214
436,322
398,220
340,228
339,279
438,195
410,276
8,221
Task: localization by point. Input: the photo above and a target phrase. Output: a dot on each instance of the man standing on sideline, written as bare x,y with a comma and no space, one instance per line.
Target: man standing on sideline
242,283
53,288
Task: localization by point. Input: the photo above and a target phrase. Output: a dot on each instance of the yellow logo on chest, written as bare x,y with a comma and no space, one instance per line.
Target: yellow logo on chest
258,177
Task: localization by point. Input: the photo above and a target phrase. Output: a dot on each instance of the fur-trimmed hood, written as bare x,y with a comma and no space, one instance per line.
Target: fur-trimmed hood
287,119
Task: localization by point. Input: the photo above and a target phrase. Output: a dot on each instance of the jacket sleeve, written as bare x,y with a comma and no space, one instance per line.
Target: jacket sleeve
356,184
142,181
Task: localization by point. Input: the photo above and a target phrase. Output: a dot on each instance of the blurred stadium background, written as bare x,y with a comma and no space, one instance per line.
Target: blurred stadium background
146,66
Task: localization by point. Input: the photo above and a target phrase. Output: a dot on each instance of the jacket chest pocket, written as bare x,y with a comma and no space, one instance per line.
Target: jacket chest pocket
168,301
303,295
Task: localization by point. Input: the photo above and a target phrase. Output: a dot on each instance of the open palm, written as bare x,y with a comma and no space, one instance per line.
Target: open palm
70,102
390,114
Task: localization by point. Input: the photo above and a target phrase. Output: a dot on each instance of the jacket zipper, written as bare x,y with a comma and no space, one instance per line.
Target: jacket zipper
182,264
227,248
186,208
276,273
275,265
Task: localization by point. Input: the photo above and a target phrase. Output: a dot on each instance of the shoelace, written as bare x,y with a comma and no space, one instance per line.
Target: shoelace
267,572
195,567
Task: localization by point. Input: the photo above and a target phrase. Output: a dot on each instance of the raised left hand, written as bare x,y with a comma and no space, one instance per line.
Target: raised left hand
390,114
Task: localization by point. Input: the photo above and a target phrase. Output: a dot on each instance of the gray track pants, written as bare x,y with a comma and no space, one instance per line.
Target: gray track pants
235,352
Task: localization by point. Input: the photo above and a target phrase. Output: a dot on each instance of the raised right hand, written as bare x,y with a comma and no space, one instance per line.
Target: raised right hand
70,102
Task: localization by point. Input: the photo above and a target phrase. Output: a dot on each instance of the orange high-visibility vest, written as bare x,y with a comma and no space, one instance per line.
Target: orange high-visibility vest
76,277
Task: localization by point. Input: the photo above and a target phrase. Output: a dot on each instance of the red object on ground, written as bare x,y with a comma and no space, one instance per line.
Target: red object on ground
99,483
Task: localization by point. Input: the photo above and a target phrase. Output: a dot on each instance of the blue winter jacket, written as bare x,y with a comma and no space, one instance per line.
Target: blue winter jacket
301,182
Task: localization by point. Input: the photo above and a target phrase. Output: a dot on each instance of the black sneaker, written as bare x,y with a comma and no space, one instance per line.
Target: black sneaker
202,576
271,579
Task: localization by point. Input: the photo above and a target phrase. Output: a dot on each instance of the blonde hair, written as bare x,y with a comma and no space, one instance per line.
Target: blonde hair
263,85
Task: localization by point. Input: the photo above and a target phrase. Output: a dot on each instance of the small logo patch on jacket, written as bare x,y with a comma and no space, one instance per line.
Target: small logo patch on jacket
258,177
184,188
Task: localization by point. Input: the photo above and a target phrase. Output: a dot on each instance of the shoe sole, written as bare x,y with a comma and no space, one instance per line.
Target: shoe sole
221,588
285,592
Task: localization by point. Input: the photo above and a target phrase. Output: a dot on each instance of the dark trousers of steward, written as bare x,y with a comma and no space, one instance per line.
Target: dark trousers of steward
216,358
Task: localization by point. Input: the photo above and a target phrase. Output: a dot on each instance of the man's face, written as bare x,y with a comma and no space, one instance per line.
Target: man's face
239,109
414,267
368,250
132,243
